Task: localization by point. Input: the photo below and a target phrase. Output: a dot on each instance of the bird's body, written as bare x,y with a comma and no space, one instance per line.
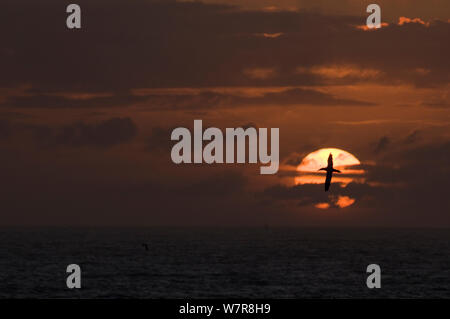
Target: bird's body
329,169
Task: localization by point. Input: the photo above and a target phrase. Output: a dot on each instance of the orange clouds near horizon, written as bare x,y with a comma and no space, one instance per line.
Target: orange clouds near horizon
401,22
344,201
404,20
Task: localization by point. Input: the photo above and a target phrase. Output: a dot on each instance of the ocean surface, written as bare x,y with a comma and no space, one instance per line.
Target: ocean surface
222,263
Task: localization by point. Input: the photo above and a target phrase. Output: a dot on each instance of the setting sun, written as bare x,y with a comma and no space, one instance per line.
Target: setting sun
315,160
347,163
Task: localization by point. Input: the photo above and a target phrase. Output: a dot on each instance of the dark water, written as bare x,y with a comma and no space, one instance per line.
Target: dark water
206,263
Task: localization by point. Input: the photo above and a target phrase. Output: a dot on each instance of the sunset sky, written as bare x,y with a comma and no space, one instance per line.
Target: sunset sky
86,115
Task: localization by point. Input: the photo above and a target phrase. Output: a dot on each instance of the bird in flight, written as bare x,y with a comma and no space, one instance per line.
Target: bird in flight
329,169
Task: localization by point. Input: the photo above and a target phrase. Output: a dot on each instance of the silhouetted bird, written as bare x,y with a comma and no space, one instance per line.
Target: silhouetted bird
329,169
145,246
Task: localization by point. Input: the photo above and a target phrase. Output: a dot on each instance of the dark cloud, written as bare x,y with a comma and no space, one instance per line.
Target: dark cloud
382,144
413,137
302,96
159,140
171,44
103,134
308,194
286,98
385,143
217,184
52,101
202,100
438,104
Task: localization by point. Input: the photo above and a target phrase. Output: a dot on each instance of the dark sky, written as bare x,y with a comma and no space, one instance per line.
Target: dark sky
86,115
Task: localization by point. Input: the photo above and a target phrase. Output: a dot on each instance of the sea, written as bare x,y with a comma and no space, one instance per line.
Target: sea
187,263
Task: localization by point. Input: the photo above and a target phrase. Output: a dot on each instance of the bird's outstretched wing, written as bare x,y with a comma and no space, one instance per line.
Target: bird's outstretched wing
328,180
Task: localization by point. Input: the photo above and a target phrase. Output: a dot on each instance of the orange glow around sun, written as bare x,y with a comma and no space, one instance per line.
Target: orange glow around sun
344,161
347,163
